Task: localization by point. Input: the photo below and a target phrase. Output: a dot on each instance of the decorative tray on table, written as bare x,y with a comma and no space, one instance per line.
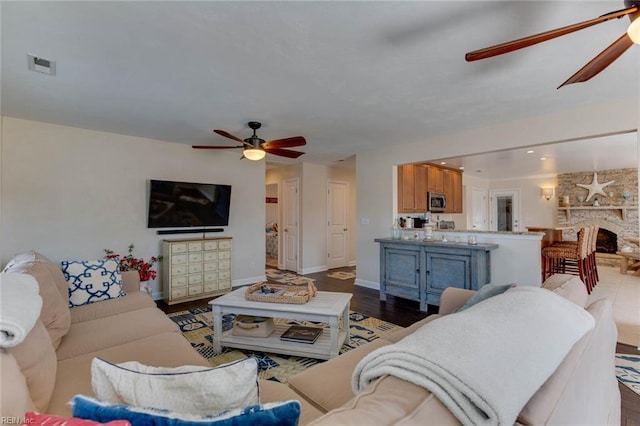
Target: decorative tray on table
281,293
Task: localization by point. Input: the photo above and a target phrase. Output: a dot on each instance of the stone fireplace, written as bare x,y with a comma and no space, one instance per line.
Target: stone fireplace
617,220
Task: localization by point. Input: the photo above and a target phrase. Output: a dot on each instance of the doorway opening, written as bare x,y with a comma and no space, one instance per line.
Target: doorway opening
505,210
271,225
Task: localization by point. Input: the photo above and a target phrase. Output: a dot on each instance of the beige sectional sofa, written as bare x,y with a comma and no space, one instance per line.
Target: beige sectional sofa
53,363
582,391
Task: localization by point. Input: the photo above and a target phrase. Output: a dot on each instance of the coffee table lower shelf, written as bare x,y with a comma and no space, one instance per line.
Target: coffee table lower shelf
320,349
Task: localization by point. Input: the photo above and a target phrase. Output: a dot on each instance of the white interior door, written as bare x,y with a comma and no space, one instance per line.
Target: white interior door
505,210
337,224
290,221
479,209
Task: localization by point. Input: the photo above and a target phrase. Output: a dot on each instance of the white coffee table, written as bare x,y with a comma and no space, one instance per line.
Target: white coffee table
326,306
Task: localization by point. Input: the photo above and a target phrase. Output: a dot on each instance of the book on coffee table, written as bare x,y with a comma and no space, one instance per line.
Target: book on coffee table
301,334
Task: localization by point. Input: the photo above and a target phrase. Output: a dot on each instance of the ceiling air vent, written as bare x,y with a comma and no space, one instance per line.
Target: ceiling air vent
39,64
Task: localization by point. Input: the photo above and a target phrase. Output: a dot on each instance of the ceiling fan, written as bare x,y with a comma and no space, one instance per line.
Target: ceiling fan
255,148
593,67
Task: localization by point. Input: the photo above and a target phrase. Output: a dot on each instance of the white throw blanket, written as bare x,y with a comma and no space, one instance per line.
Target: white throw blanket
20,306
486,362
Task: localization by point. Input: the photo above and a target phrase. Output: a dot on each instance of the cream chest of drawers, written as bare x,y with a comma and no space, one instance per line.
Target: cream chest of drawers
195,269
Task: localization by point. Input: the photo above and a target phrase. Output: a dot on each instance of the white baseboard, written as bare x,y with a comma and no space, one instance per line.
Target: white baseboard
313,270
369,284
352,263
245,281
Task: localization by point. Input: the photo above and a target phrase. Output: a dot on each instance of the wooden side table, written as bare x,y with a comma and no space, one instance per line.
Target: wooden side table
629,261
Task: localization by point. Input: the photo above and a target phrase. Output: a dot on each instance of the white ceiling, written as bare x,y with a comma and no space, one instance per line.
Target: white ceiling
346,75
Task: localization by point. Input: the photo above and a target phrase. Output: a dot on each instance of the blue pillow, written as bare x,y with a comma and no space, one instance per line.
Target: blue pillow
484,293
92,280
284,413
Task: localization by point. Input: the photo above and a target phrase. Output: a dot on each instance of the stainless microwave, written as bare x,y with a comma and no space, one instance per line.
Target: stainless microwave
436,202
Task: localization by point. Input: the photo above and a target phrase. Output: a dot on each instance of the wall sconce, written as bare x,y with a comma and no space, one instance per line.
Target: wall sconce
547,193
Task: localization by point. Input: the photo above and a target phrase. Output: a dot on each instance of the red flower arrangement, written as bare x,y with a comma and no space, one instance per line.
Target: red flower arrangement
131,263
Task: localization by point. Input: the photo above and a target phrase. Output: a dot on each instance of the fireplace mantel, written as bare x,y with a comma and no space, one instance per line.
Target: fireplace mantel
622,209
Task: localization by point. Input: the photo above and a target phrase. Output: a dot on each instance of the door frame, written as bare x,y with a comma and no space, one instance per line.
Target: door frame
290,265
278,221
485,213
493,213
345,184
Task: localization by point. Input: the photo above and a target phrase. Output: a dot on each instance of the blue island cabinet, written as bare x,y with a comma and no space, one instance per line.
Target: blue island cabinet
421,270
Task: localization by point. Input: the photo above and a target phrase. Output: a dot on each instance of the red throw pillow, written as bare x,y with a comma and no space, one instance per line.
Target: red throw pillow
36,419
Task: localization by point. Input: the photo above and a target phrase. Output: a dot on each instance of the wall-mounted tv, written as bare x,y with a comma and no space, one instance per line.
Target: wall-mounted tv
188,204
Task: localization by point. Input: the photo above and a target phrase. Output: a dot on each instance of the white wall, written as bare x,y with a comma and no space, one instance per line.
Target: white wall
314,218
70,193
313,210
375,168
534,209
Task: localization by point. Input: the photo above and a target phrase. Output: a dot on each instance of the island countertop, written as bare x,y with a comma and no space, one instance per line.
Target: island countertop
440,243
516,259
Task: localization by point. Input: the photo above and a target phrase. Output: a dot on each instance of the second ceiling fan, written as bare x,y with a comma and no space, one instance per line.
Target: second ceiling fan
593,67
255,148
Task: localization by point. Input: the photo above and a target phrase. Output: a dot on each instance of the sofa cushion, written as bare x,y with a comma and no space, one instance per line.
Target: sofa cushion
15,399
101,333
54,268
396,336
568,286
271,391
37,361
133,301
92,281
390,401
189,389
55,314
485,292
168,349
568,397
328,385
285,413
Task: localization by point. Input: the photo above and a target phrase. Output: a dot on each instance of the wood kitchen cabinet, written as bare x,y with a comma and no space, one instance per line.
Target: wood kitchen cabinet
415,180
452,187
412,188
435,181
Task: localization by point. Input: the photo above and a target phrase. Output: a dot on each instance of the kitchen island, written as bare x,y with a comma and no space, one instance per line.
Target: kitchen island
421,270
506,257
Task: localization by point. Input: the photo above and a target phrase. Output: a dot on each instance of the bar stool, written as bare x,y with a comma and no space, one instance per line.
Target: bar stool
591,267
569,258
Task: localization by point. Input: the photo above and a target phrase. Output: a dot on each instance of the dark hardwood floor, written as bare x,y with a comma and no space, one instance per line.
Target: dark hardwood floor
405,312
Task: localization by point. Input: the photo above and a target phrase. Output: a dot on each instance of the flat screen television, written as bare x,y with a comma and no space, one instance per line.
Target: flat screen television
188,204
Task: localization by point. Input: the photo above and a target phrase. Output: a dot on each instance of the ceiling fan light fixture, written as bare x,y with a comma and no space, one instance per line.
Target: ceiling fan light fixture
633,31
254,154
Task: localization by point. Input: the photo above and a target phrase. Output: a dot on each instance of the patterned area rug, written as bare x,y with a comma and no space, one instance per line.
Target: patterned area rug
343,275
196,326
286,277
628,371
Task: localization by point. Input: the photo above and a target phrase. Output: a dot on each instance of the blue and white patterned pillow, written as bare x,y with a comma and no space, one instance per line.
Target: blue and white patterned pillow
285,413
92,280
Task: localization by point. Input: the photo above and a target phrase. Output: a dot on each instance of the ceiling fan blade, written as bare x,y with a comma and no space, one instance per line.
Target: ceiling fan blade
228,135
284,152
214,147
521,43
285,143
600,62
